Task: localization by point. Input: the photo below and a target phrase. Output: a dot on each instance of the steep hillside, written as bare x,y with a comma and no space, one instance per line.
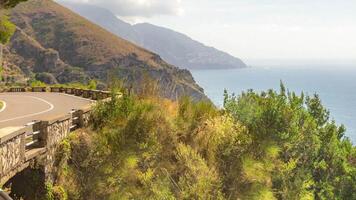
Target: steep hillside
105,19
52,39
183,51
174,47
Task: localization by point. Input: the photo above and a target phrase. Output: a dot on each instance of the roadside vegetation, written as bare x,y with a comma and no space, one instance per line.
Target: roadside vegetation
270,145
92,84
7,28
260,146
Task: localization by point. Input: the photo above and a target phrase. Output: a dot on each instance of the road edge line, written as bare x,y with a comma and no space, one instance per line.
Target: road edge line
33,114
3,106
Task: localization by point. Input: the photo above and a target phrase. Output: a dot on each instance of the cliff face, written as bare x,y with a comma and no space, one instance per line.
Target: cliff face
52,39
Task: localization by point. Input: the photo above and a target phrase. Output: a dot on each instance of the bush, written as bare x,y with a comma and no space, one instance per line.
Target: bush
37,83
46,78
270,145
295,150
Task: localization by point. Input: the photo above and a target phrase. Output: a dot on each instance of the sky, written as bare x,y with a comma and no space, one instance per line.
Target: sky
254,30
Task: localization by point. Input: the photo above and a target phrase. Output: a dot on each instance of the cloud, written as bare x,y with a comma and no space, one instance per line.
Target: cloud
137,8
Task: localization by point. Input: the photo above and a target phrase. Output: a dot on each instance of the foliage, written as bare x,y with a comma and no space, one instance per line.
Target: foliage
55,192
270,145
36,83
7,29
92,84
10,3
49,191
295,150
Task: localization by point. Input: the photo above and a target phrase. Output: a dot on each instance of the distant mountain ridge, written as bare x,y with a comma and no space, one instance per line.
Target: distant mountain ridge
58,46
176,48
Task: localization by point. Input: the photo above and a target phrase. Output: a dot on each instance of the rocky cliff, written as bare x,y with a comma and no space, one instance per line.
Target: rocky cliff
52,40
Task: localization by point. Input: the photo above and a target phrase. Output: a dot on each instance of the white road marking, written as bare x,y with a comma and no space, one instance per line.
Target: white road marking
34,114
3,106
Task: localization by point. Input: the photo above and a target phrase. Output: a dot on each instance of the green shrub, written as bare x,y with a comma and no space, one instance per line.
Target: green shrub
269,145
305,154
36,83
7,29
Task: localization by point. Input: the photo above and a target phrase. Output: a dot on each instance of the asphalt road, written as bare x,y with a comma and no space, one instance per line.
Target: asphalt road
23,108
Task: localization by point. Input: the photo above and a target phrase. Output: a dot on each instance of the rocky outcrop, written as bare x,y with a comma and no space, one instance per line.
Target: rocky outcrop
31,57
46,77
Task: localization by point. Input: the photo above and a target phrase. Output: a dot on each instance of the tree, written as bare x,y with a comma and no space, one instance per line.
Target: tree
295,150
7,29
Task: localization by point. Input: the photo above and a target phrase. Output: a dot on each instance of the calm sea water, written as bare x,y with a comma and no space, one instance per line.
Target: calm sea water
335,86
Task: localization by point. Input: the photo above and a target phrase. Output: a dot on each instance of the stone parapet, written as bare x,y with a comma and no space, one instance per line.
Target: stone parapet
89,94
12,150
17,89
22,145
38,89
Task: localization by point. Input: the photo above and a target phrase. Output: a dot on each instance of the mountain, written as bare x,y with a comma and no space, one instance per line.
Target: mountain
174,47
53,42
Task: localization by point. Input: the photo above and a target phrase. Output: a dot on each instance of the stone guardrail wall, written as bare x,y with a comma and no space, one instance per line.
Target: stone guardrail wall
90,94
40,139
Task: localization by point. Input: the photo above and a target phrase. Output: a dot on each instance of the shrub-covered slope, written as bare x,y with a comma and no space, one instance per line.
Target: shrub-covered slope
51,38
273,145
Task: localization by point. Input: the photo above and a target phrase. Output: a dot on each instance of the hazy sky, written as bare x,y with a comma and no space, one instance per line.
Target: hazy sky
254,29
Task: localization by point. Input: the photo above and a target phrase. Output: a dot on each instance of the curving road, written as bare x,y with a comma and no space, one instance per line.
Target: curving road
22,108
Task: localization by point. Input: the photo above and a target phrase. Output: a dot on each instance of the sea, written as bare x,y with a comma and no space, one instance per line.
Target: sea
336,86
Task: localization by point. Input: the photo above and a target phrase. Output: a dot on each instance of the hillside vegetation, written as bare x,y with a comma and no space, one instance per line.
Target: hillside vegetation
261,146
58,46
